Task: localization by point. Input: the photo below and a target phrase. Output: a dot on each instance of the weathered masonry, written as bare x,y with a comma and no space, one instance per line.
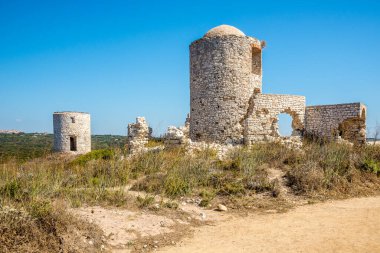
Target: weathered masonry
346,121
225,71
138,135
262,122
72,132
227,104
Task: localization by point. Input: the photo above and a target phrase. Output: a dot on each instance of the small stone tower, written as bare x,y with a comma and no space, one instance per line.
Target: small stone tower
72,132
225,72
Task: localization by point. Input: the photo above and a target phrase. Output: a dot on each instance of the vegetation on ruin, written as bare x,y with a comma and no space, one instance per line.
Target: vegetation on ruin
35,195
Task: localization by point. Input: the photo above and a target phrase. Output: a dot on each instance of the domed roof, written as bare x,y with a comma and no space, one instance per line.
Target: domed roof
224,30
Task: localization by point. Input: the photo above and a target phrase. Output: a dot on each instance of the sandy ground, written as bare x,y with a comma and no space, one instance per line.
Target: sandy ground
123,226
338,226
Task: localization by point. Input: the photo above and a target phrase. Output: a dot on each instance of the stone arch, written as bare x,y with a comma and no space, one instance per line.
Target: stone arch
297,123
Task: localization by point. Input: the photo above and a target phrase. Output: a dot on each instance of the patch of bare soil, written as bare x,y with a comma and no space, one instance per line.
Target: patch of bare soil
147,230
336,226
121,227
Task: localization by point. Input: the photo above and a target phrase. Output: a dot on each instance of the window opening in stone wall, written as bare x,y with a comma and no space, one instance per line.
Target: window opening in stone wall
73,143
72,120
285,125
256,61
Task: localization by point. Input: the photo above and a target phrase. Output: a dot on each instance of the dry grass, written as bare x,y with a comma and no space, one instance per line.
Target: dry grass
35,225
45,228
334,169
319,170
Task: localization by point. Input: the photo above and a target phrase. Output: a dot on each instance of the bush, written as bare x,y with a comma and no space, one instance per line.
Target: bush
104,154
45,229
176,185
19,233
371,166
370,159
307,177
333,168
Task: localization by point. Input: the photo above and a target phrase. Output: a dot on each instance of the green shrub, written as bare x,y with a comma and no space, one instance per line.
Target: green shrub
372,166
104,154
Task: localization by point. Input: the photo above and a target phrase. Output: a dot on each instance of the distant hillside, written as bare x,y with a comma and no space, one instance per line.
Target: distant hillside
24,146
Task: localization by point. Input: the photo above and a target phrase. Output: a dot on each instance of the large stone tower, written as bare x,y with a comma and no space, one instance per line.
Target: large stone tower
225,72
72,132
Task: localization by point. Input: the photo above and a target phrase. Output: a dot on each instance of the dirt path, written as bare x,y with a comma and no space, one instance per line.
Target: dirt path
338,226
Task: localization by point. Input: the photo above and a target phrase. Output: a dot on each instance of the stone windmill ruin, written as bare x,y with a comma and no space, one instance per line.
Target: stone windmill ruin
227,105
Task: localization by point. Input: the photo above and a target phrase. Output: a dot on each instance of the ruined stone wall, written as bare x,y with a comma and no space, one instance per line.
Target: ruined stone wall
225,70
262,121
138,135
176,136
346,121
74,125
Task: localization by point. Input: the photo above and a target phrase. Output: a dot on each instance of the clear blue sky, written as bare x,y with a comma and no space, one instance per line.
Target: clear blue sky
122,59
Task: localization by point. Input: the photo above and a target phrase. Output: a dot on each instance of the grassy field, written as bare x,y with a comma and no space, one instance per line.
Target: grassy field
23,147
35,194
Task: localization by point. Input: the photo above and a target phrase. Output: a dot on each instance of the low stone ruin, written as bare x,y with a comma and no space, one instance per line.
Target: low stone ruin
338,122
176,136
138,135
